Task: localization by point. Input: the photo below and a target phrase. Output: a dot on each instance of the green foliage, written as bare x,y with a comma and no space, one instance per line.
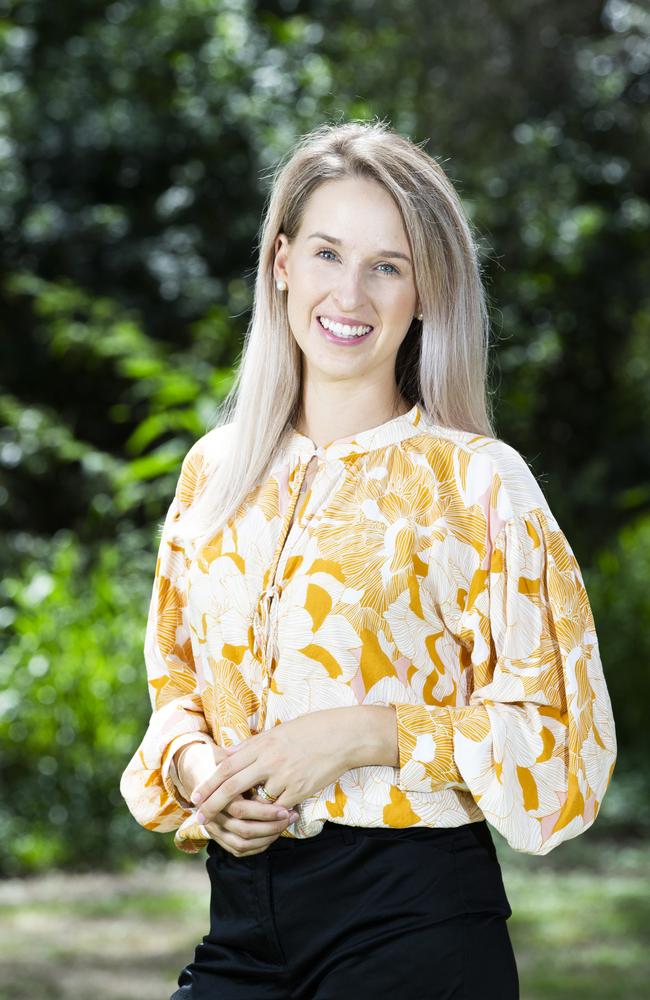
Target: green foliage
74,703
619,588
174,394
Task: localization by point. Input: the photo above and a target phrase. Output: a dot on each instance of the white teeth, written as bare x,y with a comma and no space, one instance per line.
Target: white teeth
343,330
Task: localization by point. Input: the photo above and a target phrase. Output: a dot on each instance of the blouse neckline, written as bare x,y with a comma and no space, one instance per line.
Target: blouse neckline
390,432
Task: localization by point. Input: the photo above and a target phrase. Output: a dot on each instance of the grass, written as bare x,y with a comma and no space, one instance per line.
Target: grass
579,926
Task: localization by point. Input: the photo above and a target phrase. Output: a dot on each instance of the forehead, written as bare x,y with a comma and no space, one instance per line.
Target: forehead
356,211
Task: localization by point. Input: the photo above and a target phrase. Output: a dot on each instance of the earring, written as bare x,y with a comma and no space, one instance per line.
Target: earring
281,285
420,316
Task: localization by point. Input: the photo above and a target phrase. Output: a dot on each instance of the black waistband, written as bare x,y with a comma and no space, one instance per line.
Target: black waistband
442,836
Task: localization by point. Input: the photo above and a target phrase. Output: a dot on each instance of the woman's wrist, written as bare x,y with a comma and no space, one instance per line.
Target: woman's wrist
183,777
369,734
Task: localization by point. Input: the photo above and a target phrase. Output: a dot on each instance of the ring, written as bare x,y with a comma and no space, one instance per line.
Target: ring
262,792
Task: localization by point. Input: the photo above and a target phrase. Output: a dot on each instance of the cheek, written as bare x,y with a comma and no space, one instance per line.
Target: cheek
305,267
397,310
404,300
391,345
299,316
308,286
397,317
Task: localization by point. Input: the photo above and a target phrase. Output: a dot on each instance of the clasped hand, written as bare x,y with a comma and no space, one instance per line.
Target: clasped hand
292,761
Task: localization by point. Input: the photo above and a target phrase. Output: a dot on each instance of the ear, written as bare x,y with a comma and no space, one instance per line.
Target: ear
280,261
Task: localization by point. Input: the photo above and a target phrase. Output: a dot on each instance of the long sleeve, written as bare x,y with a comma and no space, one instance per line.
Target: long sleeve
177,717
536,745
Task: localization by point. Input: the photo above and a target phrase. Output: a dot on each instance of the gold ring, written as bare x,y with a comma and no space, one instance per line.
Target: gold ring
262,792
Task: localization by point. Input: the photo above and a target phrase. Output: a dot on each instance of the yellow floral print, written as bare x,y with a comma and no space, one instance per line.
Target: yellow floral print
409,565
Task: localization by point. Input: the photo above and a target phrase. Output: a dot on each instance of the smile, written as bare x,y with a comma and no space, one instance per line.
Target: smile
342,333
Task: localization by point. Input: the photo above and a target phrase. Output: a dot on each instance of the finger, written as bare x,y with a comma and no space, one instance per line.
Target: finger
250,830
209,785
236,835
239,813
243,744
240,847
231,784
237,845
227,767
242,808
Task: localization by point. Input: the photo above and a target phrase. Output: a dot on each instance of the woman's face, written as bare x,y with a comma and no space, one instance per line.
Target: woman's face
349,262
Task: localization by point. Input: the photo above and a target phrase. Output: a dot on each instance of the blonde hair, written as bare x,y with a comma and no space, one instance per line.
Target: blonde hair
442,362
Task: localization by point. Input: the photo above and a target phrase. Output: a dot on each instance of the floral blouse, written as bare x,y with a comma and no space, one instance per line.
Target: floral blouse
409,565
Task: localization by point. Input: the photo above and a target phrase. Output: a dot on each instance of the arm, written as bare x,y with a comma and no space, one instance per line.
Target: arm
368,734
536,745
177,717
176,773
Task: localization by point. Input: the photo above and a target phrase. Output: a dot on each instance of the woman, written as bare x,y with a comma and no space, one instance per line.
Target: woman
368,636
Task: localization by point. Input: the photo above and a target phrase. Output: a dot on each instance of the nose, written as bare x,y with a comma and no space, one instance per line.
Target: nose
349,293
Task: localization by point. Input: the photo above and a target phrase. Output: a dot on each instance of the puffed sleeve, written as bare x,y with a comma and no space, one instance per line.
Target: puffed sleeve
536,744
177,716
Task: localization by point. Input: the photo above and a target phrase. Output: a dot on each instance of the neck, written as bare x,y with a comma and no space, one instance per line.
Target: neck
325,416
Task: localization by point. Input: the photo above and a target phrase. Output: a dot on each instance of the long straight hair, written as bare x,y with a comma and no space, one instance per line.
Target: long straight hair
442,363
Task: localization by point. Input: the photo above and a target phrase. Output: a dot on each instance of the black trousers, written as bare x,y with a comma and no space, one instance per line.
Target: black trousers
357,914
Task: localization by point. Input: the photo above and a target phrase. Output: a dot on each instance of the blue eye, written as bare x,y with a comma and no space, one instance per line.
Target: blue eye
392,271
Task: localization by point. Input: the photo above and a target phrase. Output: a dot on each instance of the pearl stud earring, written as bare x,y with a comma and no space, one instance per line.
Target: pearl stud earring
281,285
420,316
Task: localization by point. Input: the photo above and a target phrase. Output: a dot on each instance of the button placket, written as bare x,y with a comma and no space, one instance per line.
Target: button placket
263,625
265,617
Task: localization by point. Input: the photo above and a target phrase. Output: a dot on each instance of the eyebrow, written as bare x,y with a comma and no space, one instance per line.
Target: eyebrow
380,253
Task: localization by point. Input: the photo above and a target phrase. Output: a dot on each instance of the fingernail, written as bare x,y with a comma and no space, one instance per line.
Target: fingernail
282,813
200,818
196,798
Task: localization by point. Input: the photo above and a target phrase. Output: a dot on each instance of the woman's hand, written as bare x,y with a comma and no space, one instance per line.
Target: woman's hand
292,761
244,822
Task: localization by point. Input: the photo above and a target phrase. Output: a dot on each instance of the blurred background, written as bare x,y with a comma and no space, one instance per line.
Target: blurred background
136,141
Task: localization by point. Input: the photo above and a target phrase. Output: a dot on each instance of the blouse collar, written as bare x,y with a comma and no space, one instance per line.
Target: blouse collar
390,432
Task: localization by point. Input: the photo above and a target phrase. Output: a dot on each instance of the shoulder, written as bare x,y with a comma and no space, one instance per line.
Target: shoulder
201,460
478,463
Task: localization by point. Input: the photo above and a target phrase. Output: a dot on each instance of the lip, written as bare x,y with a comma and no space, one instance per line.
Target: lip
341,341
343,320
